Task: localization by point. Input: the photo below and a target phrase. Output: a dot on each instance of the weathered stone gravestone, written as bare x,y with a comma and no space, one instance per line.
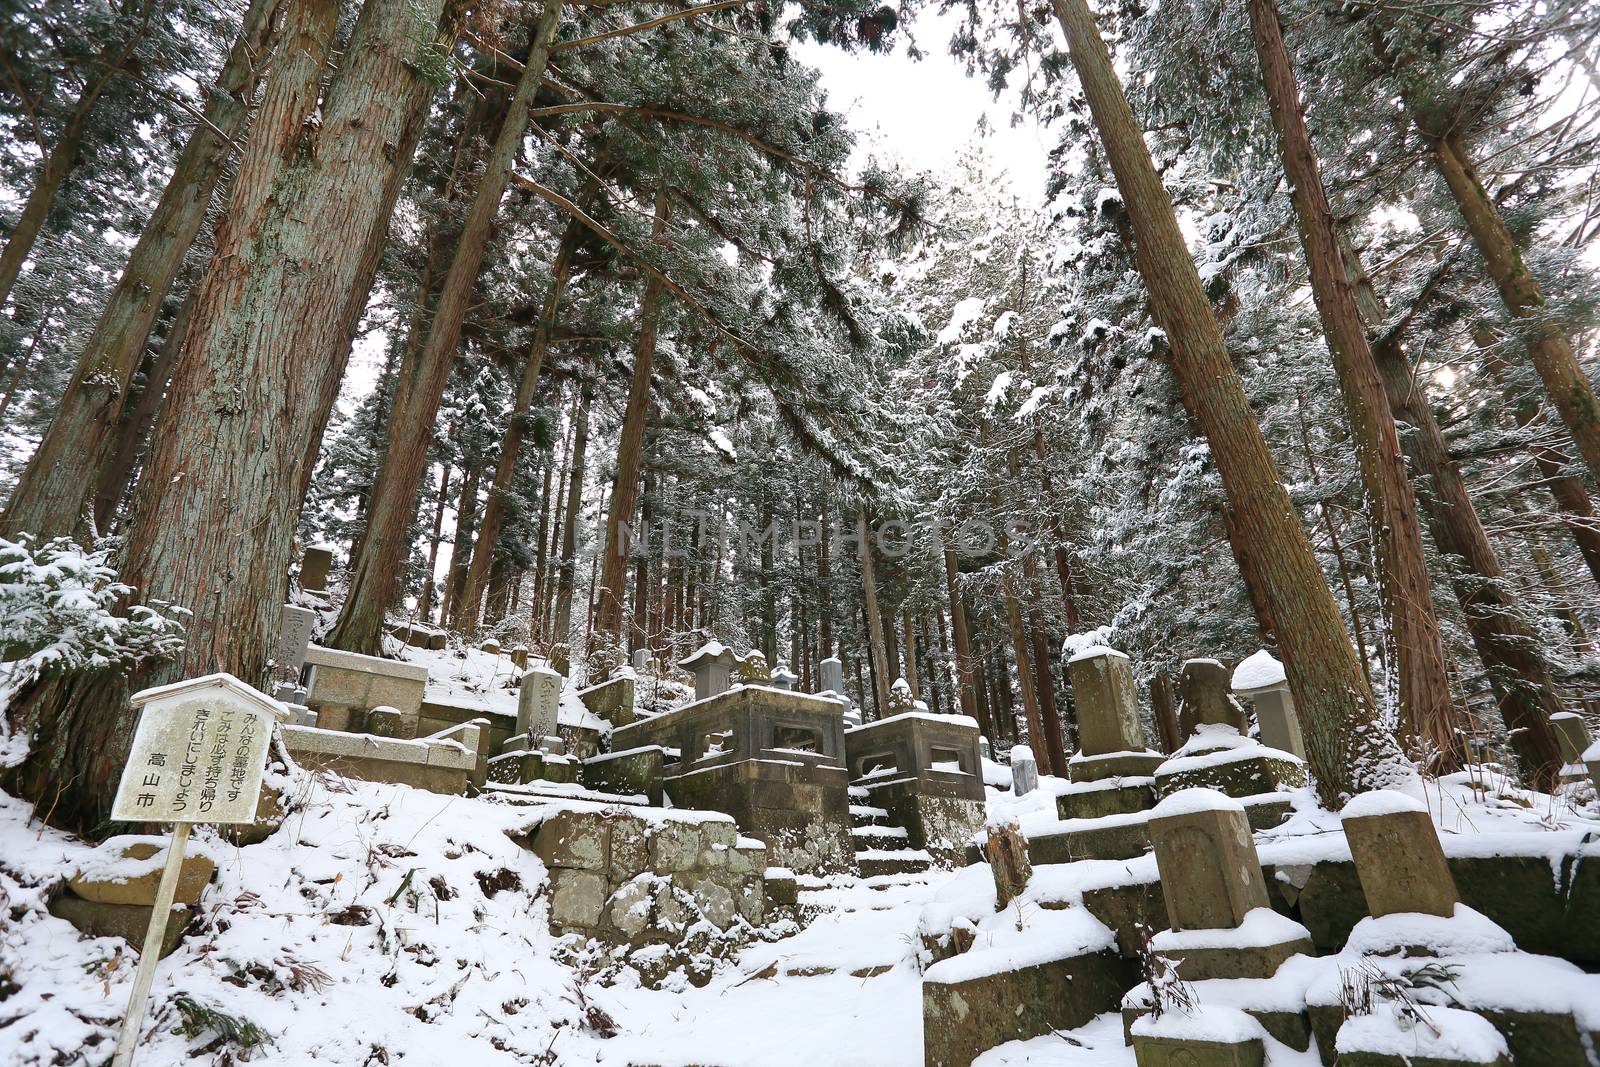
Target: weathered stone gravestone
753,670
519,657
491,646
831,675
1260,679
711,666
1204,698
900,699
1024,770
1572,738
1397,855
385,722
784,678
1110,736
315,566
294,637
538,699
641,659
1216,897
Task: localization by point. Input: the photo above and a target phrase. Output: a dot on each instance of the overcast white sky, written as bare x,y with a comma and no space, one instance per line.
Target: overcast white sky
925,111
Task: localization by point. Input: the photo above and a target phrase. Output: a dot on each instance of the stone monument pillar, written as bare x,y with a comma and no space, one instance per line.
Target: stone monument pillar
537,702
711,666
831,671
1024,771
1397,855
314,568
1216,896
1261,680
1109,733
1204,699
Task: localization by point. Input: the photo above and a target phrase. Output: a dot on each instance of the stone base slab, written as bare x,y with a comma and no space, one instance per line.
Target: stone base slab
1094,800
1113,765
1174,1052
127,921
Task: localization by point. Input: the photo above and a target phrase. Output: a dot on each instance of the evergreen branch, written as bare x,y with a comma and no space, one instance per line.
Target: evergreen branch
648,24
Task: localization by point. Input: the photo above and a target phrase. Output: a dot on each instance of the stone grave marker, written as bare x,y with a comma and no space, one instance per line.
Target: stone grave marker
711,665
1024,770
538,699
641,659
1204,698
1572,736
1210,875
831,675
519,657
1397,855
294,637
784,678
314,568
1261,680
1108,709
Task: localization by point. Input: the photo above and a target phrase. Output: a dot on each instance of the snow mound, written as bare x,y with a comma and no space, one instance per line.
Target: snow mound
1381,802
1258,671
1440,1033
1189,801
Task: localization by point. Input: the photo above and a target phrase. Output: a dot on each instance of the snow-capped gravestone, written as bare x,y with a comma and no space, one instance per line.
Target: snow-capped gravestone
831,673
1397,855
1572,738
641,659
1260,679
538,699
315,566
711,665
1024,771
1216,897
1204,699
784,678
1110,737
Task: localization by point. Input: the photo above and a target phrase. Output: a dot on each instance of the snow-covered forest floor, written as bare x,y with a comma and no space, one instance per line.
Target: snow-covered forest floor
384,924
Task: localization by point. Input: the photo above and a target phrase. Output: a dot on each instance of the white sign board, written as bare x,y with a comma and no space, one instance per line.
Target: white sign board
197,754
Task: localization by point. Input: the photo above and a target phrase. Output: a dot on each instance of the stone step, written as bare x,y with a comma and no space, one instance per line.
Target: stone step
865,836
874,862
859,793
540,792
867,815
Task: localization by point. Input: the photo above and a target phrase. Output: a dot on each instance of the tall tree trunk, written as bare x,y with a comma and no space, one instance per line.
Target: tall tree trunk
1030,694
430,581
966,682
1519,674
1567,490
910,638
1428,716
115,473
375,572
878,658
1348,746
461,547
62,157
630,447
214,517
567,578
824,583
59,479
1549,347
511,444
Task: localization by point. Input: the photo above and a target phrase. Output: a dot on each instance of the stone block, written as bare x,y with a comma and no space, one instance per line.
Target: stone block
715,833
385,722
1093,800
576,839
1024,770
961,1020
1252,772
1398,856
1085,768
1207,861
752,899
634,773
1572,736
1279,721
630,848
1186,1052
94,918
780,886
346,682
612,700
632,908
714,900
748,859
314,567
560,769
577,898
1116,838
1205,697
1107,702
674,847
519,657
95,879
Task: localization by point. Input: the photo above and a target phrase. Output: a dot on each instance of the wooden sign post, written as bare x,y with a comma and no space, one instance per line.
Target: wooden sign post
197,756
